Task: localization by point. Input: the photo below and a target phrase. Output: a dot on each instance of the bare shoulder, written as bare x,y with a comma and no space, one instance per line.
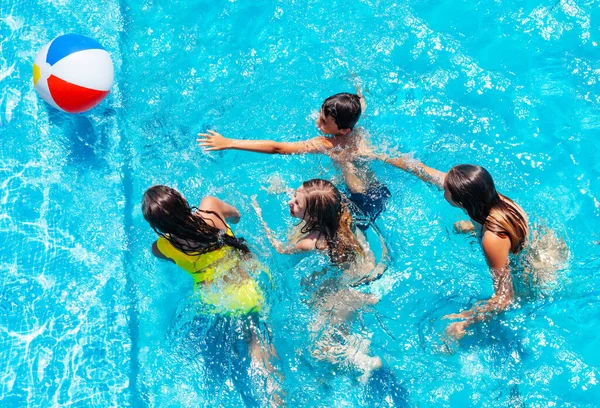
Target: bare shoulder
210,203
211,210
496,249
362,140
360,131
492,241
308,243
322,142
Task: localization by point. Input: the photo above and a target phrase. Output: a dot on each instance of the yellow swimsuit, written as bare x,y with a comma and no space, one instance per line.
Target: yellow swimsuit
235,298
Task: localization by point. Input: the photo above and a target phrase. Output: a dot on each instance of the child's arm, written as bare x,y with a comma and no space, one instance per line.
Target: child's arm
214,141
381,267
210,205
359,92
496,251
275,243
427,174
363,102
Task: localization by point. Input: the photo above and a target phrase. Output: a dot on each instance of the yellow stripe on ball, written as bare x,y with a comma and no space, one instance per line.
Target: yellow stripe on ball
36,74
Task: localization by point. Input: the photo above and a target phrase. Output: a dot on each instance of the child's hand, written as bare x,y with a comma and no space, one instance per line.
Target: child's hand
213,141
456,330
464,226
256,206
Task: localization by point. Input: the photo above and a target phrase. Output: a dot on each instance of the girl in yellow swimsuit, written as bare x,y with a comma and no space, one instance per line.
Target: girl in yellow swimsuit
199,241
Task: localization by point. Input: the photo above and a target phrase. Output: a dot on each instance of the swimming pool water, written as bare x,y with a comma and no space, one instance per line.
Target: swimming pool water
89,317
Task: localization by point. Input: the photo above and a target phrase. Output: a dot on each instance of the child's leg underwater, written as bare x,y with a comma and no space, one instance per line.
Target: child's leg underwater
334,341
262,352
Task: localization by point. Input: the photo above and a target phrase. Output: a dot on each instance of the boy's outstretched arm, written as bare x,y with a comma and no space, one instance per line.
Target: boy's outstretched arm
214,141
406,163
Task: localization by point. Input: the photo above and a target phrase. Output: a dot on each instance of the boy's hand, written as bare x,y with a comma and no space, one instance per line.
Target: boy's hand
213,141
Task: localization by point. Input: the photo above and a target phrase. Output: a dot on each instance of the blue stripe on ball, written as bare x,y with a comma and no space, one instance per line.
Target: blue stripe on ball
68,44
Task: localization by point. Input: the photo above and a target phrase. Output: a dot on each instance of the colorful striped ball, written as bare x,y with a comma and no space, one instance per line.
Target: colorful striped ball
73,73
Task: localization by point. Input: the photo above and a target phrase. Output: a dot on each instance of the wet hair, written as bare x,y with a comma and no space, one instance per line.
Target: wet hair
327,213
472,187
170,215
344,108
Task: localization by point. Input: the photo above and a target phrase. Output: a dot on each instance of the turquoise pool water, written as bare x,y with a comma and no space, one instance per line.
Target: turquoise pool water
89,317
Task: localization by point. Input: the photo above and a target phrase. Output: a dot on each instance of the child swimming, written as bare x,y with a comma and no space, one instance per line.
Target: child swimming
200,241
343,143
327,226
500,224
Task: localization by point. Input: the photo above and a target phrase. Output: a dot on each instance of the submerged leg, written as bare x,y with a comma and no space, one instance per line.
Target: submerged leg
383,385
262,352
335,342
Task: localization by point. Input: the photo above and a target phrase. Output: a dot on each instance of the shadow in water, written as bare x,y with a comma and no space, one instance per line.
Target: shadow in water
86,143
385,386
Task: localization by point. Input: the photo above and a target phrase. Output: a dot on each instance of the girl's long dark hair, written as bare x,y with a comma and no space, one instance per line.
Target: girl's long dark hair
327,213
170,215
472,187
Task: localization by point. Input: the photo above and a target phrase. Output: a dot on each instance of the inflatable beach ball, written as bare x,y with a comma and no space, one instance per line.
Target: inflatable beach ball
73,73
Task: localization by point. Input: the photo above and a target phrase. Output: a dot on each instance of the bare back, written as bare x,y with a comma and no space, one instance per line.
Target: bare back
347,153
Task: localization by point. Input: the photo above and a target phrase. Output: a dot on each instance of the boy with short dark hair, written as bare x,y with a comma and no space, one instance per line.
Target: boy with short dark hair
345,146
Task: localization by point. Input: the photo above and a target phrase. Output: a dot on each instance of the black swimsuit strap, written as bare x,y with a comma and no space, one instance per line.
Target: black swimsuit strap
219,217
